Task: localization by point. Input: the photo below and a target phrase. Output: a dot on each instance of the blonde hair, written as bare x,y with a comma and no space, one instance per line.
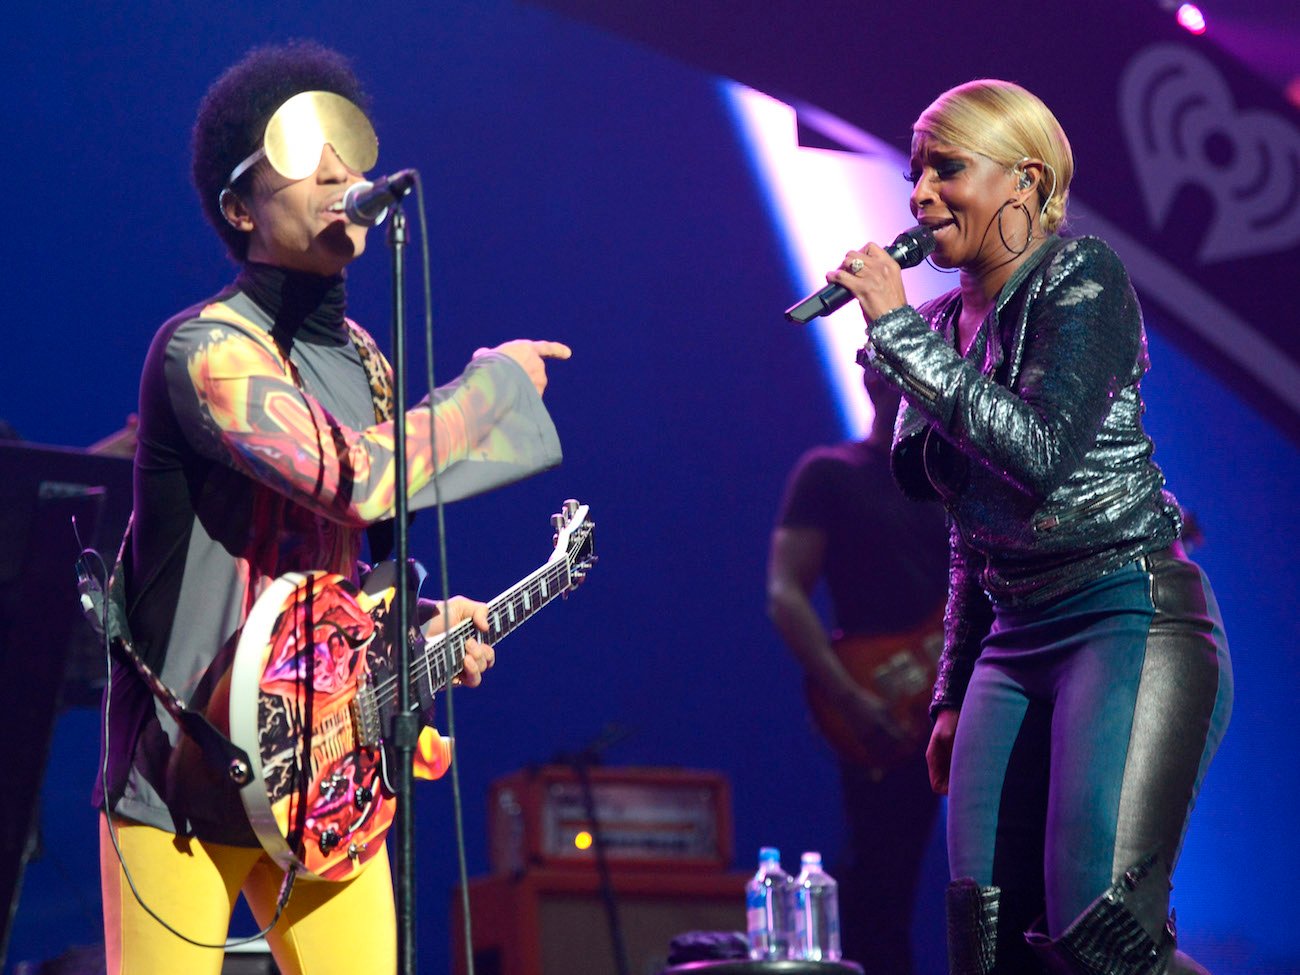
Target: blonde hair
1008,124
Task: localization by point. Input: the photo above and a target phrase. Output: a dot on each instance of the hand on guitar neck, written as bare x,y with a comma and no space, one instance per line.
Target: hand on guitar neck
479,656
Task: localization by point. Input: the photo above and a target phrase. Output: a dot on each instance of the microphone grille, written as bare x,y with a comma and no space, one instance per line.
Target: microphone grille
351,203
913,246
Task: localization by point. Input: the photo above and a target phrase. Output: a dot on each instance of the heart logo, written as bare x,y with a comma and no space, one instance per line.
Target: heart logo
1184,128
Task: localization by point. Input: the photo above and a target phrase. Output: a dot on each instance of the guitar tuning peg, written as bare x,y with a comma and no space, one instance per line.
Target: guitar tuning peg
555,539
557,521
570,507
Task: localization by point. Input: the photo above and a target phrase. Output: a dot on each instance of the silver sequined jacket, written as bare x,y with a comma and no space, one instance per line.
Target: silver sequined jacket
1033,441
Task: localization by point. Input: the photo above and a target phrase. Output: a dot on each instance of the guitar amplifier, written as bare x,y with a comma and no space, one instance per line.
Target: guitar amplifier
648,817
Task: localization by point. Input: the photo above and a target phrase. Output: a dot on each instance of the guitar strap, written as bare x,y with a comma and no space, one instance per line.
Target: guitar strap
218,750
380,376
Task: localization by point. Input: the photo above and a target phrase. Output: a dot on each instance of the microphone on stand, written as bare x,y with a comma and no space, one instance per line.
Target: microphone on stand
367,203
909,248
592,752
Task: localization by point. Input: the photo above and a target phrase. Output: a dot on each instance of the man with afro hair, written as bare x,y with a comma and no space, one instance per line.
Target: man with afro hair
266,446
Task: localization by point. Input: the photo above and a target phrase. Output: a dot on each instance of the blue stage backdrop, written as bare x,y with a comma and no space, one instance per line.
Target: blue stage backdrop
583,188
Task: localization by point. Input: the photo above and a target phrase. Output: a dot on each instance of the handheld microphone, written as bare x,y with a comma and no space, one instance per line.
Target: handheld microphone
909,248
367,203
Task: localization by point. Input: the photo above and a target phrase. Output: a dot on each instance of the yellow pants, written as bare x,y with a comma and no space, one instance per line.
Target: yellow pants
326,928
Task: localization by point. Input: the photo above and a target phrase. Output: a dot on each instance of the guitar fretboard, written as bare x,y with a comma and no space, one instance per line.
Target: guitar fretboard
443,653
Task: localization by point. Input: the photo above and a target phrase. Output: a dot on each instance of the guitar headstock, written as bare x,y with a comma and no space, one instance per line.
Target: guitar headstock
574,540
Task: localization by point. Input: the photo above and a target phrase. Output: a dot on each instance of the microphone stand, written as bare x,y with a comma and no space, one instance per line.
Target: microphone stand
406,726
581,763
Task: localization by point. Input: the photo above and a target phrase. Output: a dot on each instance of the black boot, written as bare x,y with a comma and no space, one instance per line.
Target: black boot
972,927
1107,939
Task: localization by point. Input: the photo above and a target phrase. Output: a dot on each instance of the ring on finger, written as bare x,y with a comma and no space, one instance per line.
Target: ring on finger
856,265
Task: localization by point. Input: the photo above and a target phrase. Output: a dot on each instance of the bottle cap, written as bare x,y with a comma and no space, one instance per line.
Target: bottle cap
811,857
769,853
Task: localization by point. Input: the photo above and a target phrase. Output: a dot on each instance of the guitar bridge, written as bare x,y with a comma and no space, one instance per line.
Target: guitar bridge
365,715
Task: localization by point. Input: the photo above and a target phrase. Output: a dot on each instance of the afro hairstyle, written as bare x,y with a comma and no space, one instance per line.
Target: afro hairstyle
233,114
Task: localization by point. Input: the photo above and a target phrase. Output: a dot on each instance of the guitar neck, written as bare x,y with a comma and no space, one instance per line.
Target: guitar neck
444,654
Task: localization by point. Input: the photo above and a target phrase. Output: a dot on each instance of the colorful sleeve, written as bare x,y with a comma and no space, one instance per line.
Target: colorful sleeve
237,400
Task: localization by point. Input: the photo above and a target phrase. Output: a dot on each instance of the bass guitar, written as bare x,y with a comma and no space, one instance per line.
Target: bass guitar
899,669
313,692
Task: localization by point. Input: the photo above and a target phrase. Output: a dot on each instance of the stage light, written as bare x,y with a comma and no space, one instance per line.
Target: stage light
822,203
582,840
1190,18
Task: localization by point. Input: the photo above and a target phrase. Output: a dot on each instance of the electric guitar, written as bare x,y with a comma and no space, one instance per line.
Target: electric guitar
899,669
313,692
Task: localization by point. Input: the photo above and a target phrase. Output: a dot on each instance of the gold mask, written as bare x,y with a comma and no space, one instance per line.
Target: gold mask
301,128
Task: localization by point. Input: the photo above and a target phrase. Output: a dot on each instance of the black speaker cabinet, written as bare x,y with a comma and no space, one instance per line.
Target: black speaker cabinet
250,959
554,921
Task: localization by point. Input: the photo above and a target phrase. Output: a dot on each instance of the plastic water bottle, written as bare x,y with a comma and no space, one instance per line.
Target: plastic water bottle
767,908
816,912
